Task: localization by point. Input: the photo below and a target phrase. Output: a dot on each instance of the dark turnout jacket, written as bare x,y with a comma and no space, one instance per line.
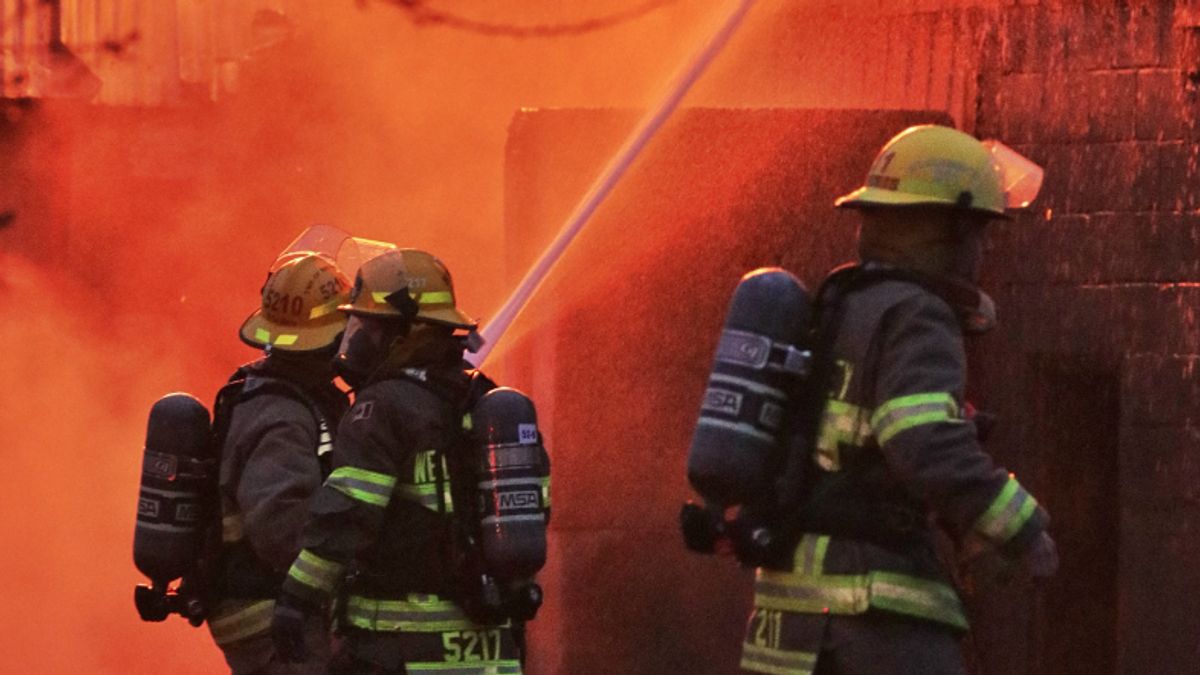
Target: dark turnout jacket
895,451
386,510
281,425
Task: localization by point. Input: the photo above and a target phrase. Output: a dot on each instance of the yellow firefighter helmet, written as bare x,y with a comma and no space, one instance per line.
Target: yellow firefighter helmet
299,305
410,284
932,165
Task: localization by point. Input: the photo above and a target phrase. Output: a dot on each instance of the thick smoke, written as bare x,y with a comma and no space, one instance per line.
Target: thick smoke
141,237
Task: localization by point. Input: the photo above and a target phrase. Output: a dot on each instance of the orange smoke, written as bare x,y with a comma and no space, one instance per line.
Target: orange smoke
142,235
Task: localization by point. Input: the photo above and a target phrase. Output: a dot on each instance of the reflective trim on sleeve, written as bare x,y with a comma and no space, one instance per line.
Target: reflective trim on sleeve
545,492
760,659
913,410
232,528
365,486
416,614
239,621
316,572
1008,512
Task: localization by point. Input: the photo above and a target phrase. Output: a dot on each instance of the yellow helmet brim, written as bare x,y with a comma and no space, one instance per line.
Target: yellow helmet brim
448,316
870,196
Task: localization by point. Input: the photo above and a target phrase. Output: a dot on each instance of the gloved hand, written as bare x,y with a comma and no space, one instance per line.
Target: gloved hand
753,543
1040,560
701,528
287,628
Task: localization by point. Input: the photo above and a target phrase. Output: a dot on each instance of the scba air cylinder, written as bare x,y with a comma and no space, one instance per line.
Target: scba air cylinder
751,388
512,464
176,481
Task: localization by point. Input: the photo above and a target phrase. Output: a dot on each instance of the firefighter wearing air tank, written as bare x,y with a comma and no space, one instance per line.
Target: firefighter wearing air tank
281,412
412,499
881,444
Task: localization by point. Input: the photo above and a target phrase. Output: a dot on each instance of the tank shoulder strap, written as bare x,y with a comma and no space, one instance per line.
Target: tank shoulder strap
235,391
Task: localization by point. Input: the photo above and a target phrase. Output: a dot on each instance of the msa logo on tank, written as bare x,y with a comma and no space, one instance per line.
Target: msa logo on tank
509,472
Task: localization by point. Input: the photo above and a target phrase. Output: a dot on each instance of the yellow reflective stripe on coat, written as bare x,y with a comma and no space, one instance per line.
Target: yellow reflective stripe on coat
365,486
914,410
545,492
232,528
808,590
316,572
241,620
1008,512
495,667
761,659
841,422
425,494
417,614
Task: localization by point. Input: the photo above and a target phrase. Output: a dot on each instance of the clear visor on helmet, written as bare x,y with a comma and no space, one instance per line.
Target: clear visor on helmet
1022,178
348,252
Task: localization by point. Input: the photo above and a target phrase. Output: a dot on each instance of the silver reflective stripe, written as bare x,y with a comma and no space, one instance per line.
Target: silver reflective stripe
466,668
843,594
164,527
534,482
239,621
418,614
170,493
737,427
325,442
753,386
425,494
1008,513
512,454
762,659
492,520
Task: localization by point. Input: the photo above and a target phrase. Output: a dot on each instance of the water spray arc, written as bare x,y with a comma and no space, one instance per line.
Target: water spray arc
608,179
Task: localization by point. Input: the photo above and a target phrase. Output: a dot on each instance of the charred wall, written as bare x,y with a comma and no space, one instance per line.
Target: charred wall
1091,372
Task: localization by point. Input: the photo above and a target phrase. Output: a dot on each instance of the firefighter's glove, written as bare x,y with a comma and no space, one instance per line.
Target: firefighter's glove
523,601
1040,560
701,528
287,628
754,544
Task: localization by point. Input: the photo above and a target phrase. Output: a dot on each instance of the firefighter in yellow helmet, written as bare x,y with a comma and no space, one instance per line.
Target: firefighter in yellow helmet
851,583
387,508
277,418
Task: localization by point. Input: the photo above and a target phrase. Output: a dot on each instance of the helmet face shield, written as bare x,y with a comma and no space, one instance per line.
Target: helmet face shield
1021,178
349,252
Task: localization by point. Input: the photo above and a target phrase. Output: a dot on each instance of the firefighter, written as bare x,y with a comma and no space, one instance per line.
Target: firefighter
858,587
387,510
275,455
